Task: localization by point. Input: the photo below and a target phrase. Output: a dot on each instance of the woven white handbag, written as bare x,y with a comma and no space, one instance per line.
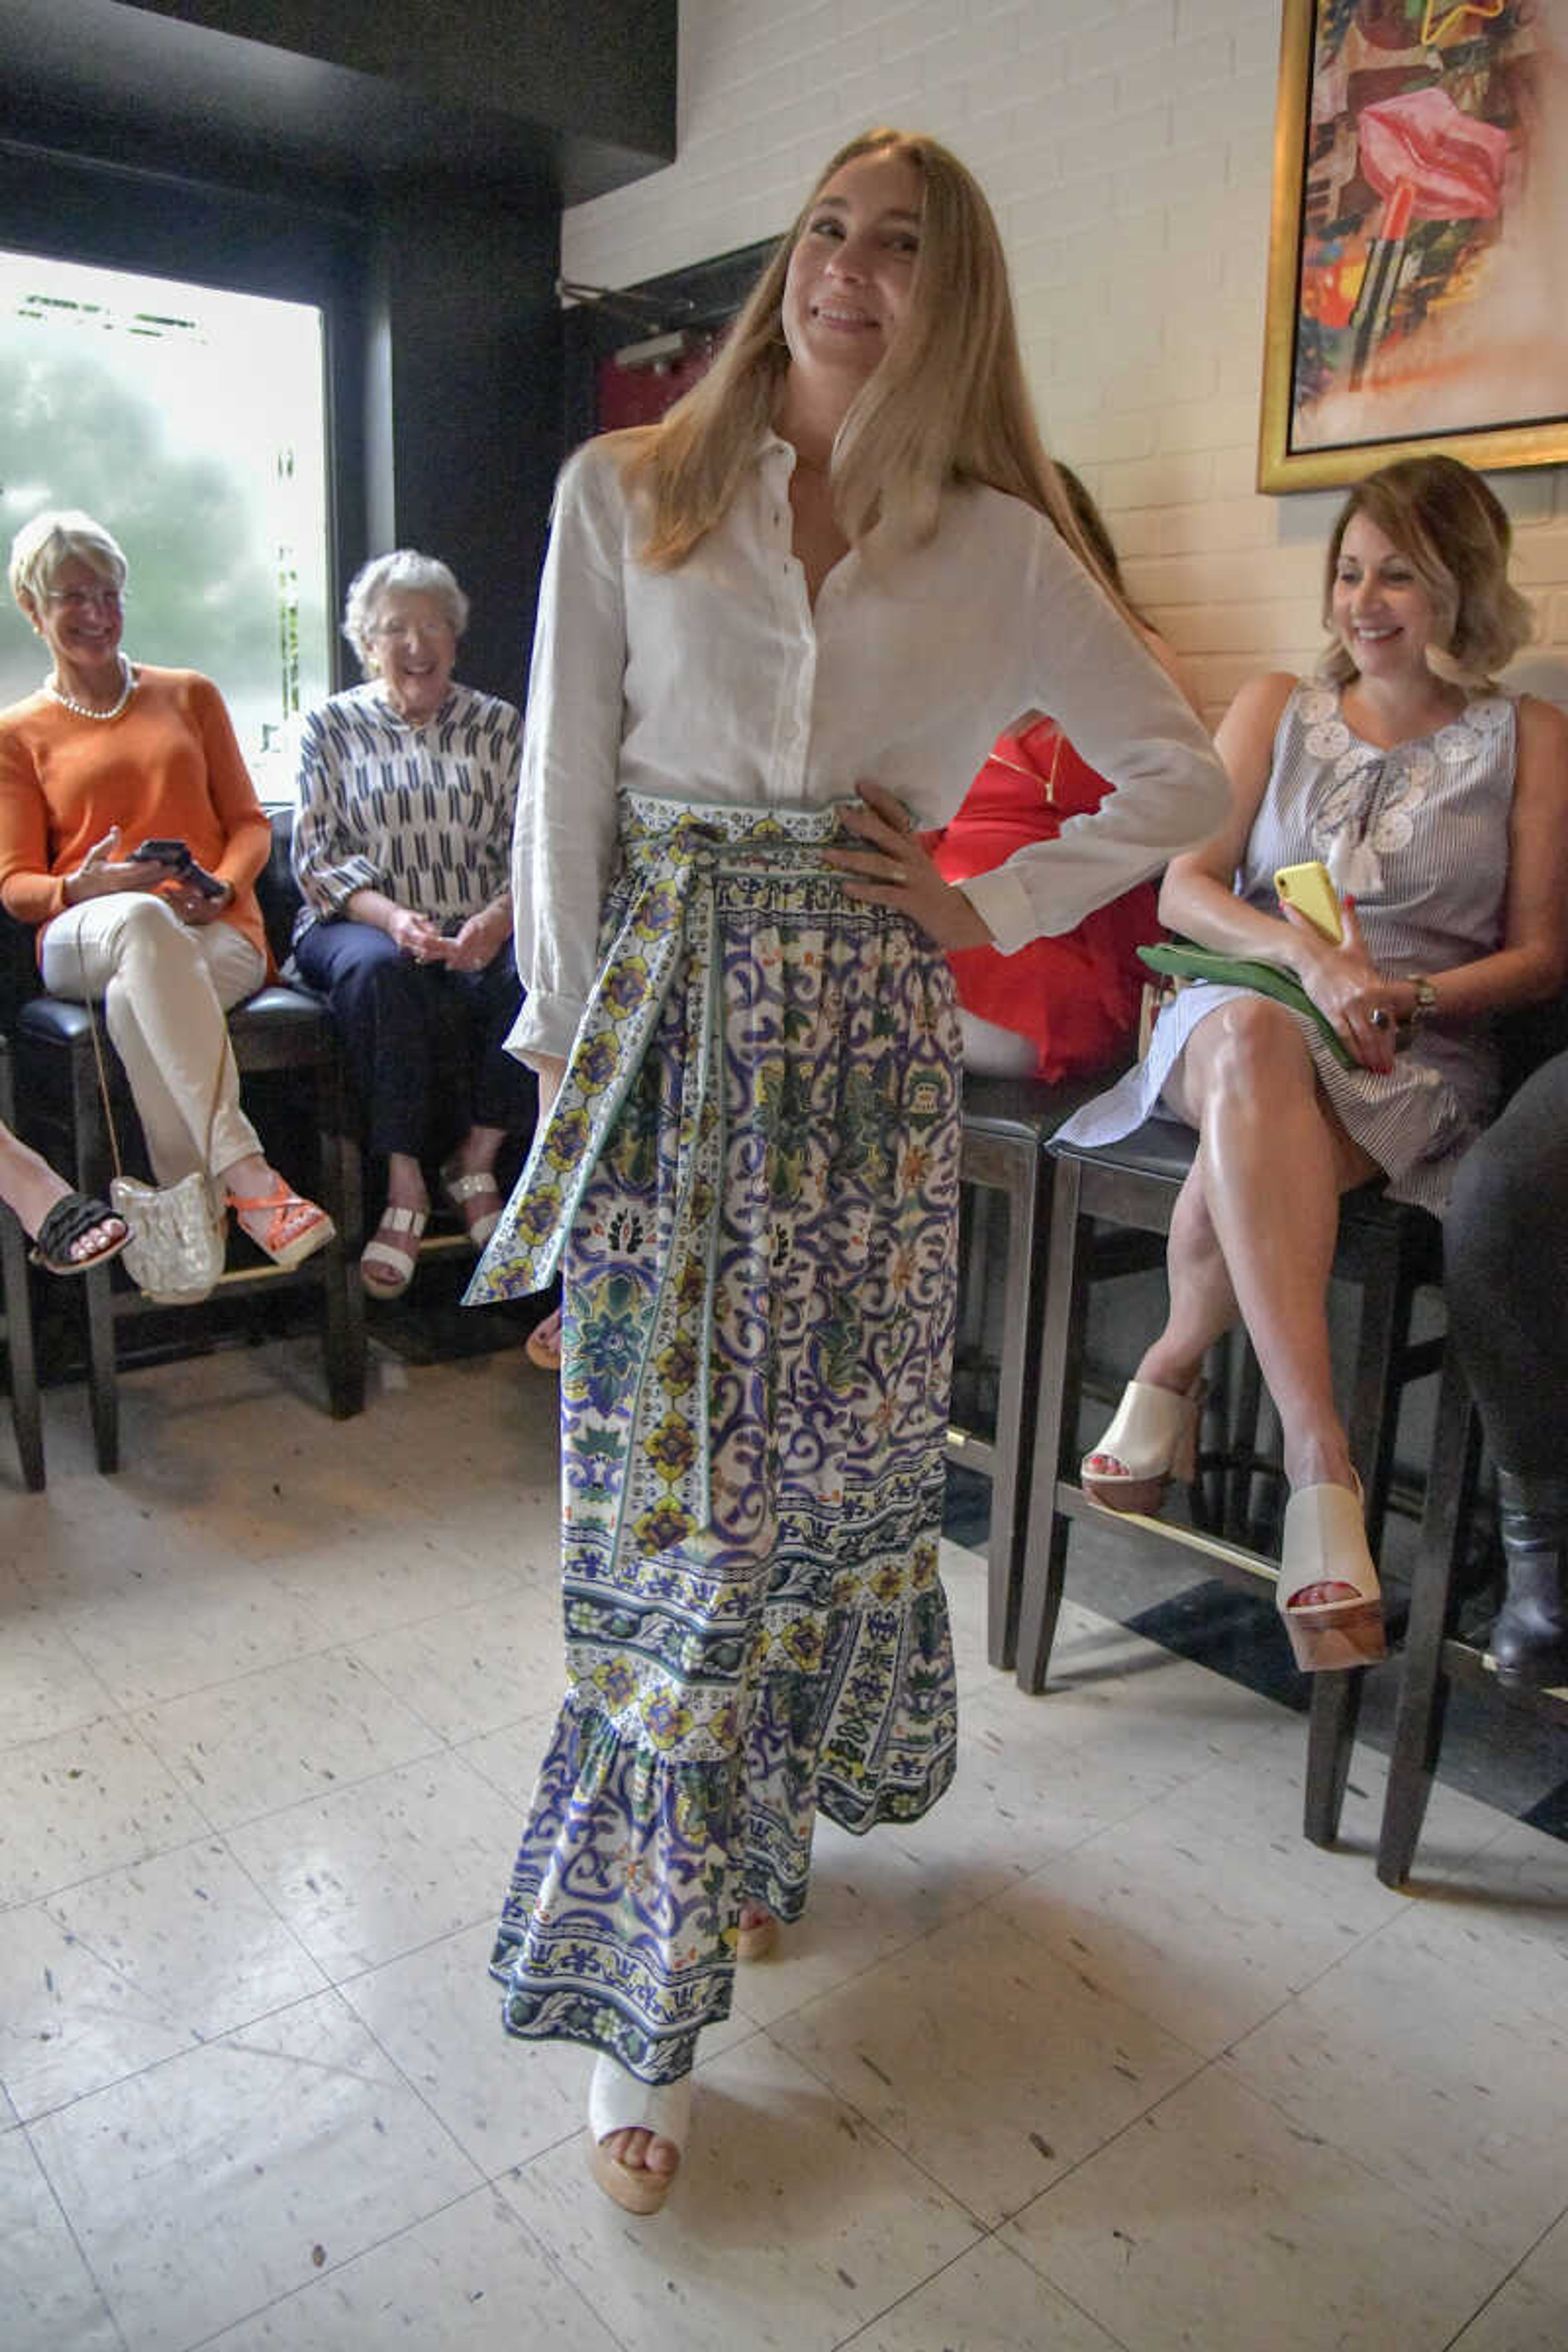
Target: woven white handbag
178,1235
178,1239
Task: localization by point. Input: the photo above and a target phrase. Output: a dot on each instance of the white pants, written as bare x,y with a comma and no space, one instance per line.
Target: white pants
166,987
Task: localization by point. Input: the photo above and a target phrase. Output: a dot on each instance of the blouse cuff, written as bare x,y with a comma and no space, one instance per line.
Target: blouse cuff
334,886
547,1025
1002,904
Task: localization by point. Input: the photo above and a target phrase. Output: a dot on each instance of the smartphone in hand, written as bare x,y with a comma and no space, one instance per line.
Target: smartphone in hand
1309,890
177,856
173,854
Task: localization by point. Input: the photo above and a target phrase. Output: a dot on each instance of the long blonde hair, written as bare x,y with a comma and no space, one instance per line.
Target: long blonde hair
948,403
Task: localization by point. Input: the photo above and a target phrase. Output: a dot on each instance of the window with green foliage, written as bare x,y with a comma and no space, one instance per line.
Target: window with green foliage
191,423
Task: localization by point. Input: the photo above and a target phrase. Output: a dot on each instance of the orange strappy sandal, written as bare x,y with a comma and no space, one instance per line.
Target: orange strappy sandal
294,1230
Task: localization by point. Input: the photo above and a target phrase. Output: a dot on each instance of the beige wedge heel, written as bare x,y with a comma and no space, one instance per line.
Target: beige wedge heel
1325,1543
1153,1439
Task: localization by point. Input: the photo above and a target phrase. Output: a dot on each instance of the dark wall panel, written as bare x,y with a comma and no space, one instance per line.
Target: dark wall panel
604,69
464,310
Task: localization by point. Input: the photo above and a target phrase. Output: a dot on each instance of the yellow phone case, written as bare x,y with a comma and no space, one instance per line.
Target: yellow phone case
1308,888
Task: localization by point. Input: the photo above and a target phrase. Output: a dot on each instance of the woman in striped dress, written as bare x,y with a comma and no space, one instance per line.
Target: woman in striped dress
842,557
1440,805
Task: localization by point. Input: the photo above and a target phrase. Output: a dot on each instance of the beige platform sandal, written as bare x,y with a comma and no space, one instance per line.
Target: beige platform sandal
1325,1543
1153,1439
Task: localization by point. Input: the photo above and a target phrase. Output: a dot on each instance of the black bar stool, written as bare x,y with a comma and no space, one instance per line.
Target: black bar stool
1006,1126
1388,1251
1434,1657
26,1411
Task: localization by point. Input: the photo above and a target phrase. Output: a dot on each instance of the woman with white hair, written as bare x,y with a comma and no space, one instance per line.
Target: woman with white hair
131,835
402,849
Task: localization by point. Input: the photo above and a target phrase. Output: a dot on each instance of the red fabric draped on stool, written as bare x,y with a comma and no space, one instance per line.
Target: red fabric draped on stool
1077,997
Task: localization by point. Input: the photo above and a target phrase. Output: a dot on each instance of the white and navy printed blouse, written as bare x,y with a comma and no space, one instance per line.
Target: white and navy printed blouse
422,813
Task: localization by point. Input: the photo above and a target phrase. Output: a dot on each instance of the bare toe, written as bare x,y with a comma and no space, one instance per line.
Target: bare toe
1317,1596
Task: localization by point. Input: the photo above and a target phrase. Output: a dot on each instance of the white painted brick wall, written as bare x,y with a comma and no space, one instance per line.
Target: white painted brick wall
1126,145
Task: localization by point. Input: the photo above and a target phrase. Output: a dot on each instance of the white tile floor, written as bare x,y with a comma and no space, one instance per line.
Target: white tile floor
1101,2054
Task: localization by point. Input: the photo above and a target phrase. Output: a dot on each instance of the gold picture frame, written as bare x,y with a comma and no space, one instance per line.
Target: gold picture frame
1393,328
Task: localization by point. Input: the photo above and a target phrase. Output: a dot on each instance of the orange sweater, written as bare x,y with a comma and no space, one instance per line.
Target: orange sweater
167,769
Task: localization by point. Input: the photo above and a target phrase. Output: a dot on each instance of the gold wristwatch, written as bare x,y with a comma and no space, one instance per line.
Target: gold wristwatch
1425,1000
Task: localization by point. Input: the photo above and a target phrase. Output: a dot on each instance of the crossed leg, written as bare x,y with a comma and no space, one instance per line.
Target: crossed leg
1253,1233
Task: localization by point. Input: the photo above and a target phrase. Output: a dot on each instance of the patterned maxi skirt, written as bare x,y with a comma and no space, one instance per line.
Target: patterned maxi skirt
752,1168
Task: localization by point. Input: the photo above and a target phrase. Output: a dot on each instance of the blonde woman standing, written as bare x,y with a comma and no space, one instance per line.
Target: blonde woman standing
777,631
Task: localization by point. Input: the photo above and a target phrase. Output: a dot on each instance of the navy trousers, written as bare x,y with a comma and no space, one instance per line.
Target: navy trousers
424,1044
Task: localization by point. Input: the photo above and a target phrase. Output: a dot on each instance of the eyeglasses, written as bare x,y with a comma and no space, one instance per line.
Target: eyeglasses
427,632
84,599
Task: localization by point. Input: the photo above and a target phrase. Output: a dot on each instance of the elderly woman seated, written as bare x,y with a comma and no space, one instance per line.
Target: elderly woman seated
402,849
131,835
1439,806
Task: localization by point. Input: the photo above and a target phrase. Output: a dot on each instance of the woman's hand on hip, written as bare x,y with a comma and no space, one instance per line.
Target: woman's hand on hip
1364,1004
100,873
896,870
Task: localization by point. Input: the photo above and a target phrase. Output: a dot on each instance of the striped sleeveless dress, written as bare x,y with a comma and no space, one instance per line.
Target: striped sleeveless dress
1418,835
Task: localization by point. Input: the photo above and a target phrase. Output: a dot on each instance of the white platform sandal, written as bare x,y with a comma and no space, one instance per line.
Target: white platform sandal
479,1184
384,1270
1153,1439
621,2102
1325,1543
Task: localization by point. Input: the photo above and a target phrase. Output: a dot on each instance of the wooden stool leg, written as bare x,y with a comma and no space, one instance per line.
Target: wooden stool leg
343,1294
1373,1418
1434,1600
1331,1739
92,1177
27,1411
1015,1409
1055,1426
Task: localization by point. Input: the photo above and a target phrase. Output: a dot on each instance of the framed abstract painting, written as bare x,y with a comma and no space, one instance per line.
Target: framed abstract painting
1419,250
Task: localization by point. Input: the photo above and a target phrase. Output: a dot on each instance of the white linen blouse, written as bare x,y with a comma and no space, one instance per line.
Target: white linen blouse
718,682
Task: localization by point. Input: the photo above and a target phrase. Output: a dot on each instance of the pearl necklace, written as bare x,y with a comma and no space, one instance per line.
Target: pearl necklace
85,709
